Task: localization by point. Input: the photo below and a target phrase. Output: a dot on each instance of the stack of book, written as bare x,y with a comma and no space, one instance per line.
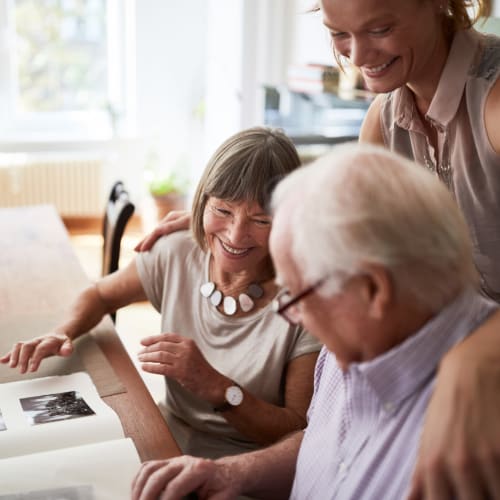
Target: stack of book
58,439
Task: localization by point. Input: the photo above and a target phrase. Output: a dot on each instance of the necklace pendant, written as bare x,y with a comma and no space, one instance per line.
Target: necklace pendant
216,298
255,291
229,305
207,288
246,303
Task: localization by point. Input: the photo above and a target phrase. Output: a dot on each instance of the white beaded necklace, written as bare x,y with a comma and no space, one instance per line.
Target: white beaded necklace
229,304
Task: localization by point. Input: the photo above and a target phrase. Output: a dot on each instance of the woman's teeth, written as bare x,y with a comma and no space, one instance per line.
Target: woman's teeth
234,251
378,69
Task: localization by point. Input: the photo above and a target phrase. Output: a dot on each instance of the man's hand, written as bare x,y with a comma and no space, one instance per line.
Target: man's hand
175,220
177,477
28,355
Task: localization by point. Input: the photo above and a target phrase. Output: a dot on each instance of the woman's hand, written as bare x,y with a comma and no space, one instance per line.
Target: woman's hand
176,220
459,453
180,359
177,477
28,355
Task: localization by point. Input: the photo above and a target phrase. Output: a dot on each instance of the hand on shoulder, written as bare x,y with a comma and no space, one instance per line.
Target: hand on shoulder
176,220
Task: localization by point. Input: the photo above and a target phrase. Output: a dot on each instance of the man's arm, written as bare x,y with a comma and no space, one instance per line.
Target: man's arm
266,473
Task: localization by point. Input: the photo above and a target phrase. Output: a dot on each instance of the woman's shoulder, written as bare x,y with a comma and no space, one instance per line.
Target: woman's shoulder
179,246
487,63
179,241
371,129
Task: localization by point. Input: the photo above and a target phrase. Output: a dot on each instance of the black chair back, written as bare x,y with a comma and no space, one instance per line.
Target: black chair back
118,211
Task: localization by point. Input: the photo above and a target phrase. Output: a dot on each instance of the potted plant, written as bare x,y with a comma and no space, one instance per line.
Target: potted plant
169,193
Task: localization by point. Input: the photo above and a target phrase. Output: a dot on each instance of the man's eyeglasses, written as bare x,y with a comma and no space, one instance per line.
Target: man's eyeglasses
286,305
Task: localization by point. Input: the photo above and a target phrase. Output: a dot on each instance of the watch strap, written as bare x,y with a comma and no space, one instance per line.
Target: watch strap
223,407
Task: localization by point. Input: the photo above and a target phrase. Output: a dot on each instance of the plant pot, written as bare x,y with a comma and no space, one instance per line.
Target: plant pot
167,202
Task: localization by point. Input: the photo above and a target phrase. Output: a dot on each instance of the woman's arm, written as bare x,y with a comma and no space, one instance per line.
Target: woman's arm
370,129
459,453
491,114
103,297
179,358
266,423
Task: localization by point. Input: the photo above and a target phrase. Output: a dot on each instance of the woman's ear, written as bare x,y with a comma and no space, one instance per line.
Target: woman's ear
378,290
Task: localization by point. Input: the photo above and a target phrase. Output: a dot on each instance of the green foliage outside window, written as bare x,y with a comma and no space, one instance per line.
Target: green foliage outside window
61,51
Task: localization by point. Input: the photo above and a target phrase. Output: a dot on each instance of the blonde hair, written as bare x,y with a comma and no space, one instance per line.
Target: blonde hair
458,12
364,204
246,167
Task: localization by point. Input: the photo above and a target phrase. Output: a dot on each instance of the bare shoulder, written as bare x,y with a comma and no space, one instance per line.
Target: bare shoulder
491,114
370,129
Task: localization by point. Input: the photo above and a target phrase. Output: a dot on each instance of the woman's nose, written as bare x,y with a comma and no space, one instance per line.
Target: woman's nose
357,51
238,230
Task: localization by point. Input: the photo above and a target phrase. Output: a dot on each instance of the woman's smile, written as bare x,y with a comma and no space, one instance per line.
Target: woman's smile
233,251
380,70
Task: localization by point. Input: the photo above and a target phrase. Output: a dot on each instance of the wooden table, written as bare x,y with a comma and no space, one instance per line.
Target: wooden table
40,276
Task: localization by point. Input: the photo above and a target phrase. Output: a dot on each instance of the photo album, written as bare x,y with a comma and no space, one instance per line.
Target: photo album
58,439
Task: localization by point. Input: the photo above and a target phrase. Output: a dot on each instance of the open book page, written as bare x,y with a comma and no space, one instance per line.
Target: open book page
53,412
100,471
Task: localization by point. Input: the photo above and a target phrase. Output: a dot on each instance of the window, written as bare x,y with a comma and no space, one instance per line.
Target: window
64,73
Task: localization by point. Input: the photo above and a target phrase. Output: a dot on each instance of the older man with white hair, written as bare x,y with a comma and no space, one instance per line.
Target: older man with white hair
376,262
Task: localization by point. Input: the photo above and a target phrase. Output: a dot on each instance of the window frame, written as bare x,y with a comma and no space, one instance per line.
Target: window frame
81,126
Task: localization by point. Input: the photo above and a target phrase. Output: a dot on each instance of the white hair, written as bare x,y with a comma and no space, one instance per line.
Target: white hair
362,204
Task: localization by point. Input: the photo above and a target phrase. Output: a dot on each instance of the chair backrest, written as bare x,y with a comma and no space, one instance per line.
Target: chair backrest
118,211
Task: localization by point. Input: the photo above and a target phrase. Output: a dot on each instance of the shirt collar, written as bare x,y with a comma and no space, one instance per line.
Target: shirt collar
450,89
398,373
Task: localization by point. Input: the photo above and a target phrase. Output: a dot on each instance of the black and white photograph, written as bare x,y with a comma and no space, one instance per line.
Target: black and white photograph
84,492
55,407
3,426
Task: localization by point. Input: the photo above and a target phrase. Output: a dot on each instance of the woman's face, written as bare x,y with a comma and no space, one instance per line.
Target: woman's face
237,234
392,42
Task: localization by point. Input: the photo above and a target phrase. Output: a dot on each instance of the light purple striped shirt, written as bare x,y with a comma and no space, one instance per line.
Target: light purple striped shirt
364,423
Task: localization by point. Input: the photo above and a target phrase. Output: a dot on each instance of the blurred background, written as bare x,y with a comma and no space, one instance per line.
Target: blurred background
95,91
92,91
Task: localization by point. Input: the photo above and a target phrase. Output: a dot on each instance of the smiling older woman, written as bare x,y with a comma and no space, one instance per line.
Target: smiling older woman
237,376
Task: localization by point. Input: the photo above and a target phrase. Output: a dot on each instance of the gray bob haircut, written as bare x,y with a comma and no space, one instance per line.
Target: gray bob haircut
362,204
246,167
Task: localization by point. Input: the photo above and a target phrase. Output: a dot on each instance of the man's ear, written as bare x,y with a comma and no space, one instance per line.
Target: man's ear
378,290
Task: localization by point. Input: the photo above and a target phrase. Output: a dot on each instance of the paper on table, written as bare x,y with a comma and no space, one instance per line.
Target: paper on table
59,428
100,471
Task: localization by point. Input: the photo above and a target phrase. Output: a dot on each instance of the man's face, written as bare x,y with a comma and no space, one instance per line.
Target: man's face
337,321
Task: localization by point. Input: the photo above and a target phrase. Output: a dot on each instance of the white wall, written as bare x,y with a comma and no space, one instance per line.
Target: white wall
171,41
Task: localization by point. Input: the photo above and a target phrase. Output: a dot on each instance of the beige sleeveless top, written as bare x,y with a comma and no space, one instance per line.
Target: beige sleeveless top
467,163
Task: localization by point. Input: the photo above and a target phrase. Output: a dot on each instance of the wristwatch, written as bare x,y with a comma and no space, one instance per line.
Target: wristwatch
233,397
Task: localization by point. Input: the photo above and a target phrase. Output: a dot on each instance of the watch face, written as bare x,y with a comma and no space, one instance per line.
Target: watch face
234,395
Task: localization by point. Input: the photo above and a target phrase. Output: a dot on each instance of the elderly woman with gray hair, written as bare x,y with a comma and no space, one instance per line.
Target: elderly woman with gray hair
382,274
237,376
